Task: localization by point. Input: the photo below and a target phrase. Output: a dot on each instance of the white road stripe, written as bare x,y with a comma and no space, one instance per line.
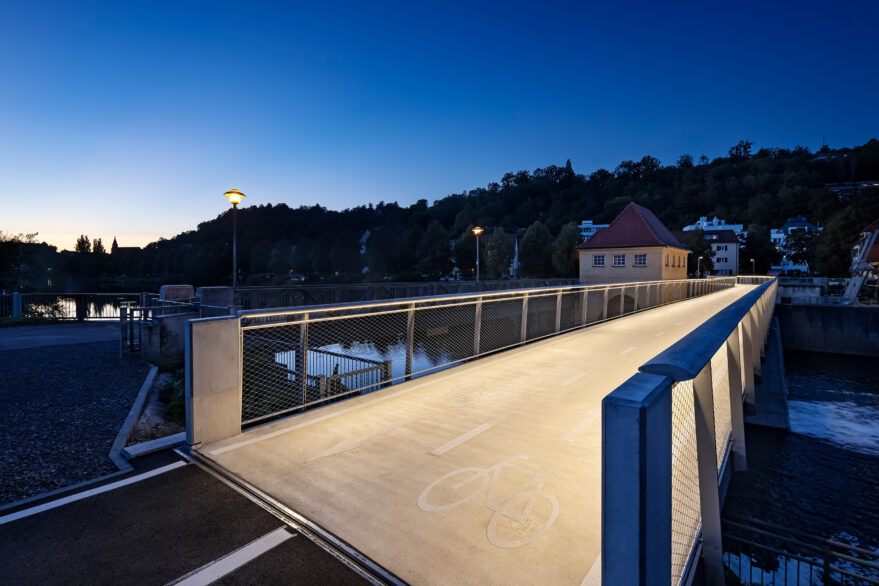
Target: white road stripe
83,495
461,439
680,323
573,379
658,334
627,350
593,578
226,565
578,430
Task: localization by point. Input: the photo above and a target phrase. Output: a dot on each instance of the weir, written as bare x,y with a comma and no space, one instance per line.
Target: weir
482,472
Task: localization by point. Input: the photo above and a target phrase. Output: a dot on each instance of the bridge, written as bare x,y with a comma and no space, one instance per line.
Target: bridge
567,435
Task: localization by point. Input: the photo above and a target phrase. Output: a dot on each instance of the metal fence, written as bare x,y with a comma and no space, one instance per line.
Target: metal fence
285,351
704,380
67,306
299,295
133,318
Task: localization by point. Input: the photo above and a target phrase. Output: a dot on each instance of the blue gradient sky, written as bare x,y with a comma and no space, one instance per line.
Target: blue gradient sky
132,118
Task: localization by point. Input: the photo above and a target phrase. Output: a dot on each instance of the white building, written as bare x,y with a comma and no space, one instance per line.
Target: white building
725,245
588,229
779,235
716,224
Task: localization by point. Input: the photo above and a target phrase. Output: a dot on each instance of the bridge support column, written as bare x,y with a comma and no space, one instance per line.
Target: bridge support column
736,410
709,497
410,339
747,350
636,459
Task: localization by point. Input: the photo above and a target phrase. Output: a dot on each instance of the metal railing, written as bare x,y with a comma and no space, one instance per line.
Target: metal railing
134,318
413,337
66,306
300,295
757,552
689,401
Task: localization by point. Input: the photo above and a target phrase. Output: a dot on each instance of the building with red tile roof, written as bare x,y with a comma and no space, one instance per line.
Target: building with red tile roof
635,247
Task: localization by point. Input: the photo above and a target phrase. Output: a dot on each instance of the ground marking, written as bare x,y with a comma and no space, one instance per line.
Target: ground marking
517,354
461,439
227,564
658,334
83,495
680,323
573,379
578,429
593,578
351,444
627,350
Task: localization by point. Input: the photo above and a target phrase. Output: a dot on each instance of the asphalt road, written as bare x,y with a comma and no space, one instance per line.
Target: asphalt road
158,529
74,333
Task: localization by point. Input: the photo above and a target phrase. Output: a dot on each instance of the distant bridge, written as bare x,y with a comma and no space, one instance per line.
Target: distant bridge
579,439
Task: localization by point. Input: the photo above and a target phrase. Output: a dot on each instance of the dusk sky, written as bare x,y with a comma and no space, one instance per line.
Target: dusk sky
130,119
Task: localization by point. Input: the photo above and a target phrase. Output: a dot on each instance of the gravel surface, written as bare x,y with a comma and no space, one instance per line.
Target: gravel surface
60,410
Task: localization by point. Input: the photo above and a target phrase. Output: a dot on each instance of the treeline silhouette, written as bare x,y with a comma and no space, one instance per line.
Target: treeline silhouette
426,240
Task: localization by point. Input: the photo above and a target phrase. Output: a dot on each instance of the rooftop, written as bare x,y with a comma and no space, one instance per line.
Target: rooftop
635,226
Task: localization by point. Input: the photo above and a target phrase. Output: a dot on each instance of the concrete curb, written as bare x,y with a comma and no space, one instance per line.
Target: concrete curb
156,445
134,413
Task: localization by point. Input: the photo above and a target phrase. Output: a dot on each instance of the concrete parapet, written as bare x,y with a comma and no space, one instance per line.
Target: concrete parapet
176,292
831,329
213,379
163,340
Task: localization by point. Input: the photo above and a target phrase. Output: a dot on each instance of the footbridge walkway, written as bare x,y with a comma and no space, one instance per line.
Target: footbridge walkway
579,438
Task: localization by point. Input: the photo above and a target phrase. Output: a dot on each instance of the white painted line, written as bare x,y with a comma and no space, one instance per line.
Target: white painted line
353,443
627,350
216,569
658,334
593,578
581,427
461,439
84,495
680,323
573,379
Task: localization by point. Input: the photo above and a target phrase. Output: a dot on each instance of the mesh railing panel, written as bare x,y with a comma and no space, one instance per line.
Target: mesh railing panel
295,359
685,505
720,387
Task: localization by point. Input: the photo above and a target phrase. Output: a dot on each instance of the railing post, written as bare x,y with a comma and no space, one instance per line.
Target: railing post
604,314
558,311
584,306
302,358
709,497
16,305
524,332
736,409
622,299
410,339
123,338
477,327
636,468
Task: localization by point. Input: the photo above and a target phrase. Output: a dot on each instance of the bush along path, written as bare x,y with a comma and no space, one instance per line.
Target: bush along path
60,410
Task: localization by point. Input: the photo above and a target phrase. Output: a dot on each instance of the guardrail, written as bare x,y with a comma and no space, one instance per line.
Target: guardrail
667,436
134,318
300,295
66,306
233,372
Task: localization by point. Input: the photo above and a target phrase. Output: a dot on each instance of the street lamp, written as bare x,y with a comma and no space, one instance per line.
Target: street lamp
753,269
699,268
234,198
477,230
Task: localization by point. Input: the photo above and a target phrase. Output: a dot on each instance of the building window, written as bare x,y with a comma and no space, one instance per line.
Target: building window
597,260
640,260
619,260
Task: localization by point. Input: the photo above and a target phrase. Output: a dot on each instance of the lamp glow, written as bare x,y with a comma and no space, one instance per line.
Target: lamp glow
234,196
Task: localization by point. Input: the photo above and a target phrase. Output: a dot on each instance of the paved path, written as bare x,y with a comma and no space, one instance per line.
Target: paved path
168,521
75,333
486,473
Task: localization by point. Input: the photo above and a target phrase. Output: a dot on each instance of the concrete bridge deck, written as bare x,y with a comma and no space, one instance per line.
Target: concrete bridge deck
486,473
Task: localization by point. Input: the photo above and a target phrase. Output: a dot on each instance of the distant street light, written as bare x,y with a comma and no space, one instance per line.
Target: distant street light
234,198
753,269
477,230
699,268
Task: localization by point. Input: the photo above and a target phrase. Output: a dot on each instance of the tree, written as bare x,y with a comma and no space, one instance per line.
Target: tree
564,251
799,246
98,247
536,250
83,246
758,246
741,150
498,254
280,261
434,252
465,252
685,161
695,241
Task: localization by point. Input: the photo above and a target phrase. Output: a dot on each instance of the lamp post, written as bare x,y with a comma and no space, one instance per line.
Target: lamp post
234,198
699,268
477,230
753,269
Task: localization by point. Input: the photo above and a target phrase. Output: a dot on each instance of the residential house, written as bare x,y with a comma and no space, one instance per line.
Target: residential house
636,246
725,246
714,225
588,229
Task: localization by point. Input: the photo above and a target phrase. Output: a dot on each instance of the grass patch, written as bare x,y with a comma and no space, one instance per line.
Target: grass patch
171,395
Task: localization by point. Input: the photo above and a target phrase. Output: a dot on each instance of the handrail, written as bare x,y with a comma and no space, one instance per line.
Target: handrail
685,359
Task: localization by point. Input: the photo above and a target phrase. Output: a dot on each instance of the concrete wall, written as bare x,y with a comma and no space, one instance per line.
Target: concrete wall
654,271
163,341
831,329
